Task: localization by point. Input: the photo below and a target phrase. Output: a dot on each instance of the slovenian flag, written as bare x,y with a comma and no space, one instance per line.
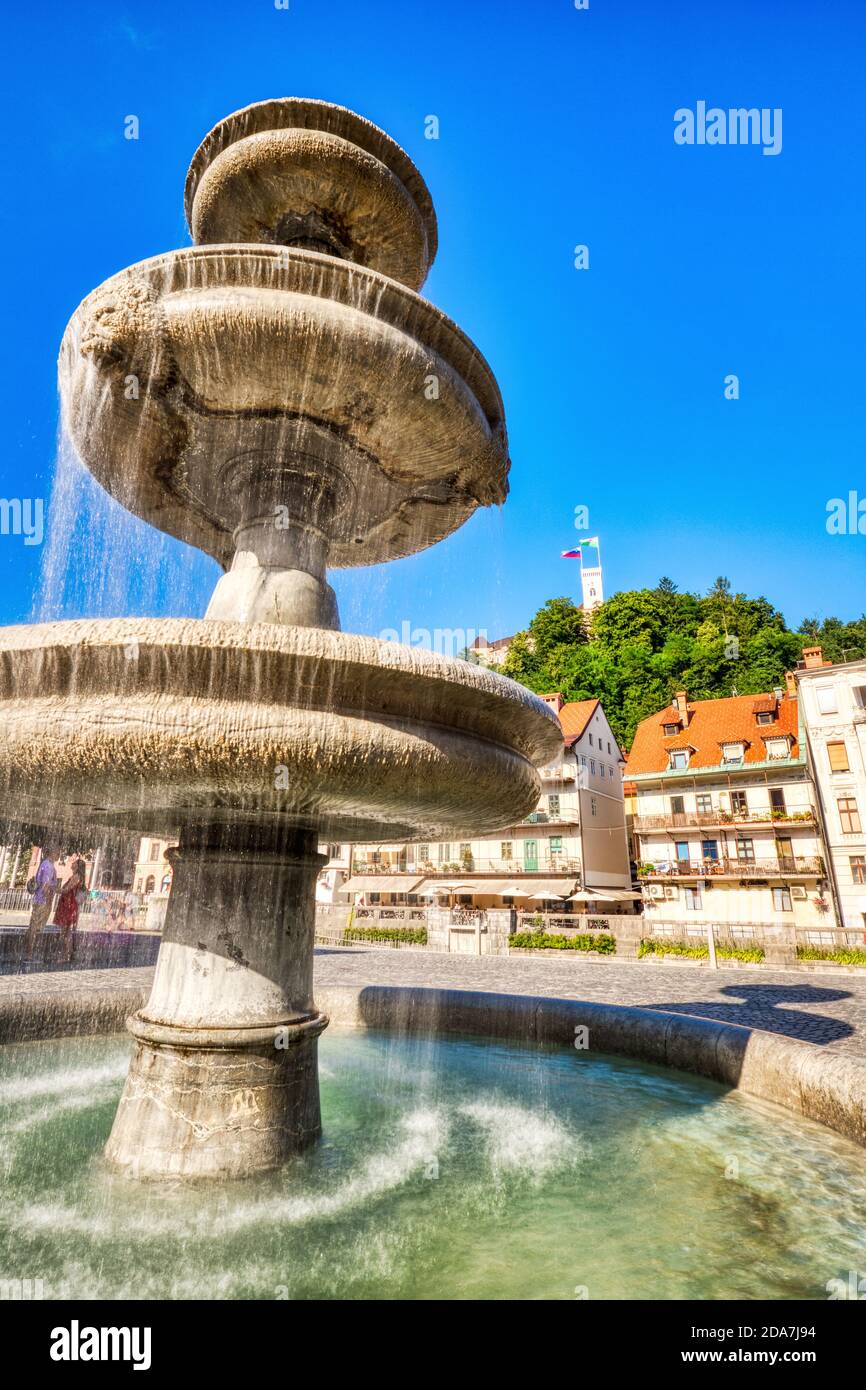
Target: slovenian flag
570,555
592,540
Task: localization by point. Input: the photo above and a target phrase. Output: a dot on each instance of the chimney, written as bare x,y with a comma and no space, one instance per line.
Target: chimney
812,657
790,685
555,701
681,701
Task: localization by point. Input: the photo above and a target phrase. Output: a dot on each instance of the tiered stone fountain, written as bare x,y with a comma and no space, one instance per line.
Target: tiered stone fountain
279,396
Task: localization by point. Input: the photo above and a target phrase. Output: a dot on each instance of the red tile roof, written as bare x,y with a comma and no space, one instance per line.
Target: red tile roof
574,718
712,723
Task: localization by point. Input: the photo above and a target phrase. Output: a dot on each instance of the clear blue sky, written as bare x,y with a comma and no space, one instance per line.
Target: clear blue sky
556,129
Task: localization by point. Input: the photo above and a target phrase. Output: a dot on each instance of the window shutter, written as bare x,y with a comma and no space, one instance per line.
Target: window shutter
838,755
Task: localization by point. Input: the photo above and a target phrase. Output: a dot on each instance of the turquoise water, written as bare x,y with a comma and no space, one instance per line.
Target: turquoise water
448,1170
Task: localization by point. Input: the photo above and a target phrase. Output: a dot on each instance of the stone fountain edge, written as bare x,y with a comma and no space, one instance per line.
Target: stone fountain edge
826,1087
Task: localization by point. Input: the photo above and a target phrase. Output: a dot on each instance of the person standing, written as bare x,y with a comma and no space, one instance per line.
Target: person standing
45,886
66,916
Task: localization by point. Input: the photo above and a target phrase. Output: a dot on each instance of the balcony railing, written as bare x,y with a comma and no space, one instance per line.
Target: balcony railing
368,915
786,867
473,866
681,820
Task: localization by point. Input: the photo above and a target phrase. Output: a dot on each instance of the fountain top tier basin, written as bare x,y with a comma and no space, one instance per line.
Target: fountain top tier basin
162,724
187,375
304,173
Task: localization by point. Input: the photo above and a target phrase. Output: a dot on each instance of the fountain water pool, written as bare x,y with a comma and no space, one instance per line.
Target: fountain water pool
450,1169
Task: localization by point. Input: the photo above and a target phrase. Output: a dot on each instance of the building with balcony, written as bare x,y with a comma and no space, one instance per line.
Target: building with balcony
833,701
725,819
570,856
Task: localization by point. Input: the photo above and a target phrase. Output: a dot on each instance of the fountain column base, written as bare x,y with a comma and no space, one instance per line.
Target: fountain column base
224,1081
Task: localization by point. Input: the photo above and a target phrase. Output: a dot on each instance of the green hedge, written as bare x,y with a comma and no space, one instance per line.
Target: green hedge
416,936
655,947
546,941
843,955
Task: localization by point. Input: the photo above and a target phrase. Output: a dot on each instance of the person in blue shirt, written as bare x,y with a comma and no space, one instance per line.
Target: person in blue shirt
43,898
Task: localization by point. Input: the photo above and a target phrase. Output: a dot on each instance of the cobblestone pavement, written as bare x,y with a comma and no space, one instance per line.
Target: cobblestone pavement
829,1010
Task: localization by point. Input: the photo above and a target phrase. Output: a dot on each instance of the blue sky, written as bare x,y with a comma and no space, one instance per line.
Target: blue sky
556,128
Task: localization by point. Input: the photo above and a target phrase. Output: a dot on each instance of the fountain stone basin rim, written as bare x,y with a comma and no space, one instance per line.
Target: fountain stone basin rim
243,351
295,169
182,722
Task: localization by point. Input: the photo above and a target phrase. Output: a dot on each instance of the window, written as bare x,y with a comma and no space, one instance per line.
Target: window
782,900
826,697
583,760
592,766
590,741
849,816
777,800
601,769
150,884
671,730
858,868
745,849
838,755
555,844
423,854
733,752
682,848
859,693
777,748
678,805
553,806
704,804
465,851
506,849
608,746
785,851
765,717
710,850
679,758
593,806
444,854
610,772
694,902
739,804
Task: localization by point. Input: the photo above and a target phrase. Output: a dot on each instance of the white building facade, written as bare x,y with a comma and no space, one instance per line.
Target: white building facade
833,699
570,854
726,823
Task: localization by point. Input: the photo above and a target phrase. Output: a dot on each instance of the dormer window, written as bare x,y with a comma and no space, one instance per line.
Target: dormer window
678,758
671,730
765,717
733,752
778,747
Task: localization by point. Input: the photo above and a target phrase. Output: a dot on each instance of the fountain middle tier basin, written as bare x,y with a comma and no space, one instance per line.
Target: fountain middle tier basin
182,366
162,724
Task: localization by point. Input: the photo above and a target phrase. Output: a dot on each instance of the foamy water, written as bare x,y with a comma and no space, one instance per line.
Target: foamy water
447,1170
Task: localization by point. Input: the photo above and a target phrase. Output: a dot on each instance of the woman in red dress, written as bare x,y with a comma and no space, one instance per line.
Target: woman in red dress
66,913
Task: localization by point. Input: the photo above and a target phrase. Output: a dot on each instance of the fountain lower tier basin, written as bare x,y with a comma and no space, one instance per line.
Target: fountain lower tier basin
449,1169
161,724
183,373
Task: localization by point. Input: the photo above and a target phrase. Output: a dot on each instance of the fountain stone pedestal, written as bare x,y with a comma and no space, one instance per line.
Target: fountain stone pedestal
224,1080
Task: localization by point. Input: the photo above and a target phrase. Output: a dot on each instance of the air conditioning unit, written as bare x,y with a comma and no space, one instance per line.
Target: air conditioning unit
657,890
798,891
670,890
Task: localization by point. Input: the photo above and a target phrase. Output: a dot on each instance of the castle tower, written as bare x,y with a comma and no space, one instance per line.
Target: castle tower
590,574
